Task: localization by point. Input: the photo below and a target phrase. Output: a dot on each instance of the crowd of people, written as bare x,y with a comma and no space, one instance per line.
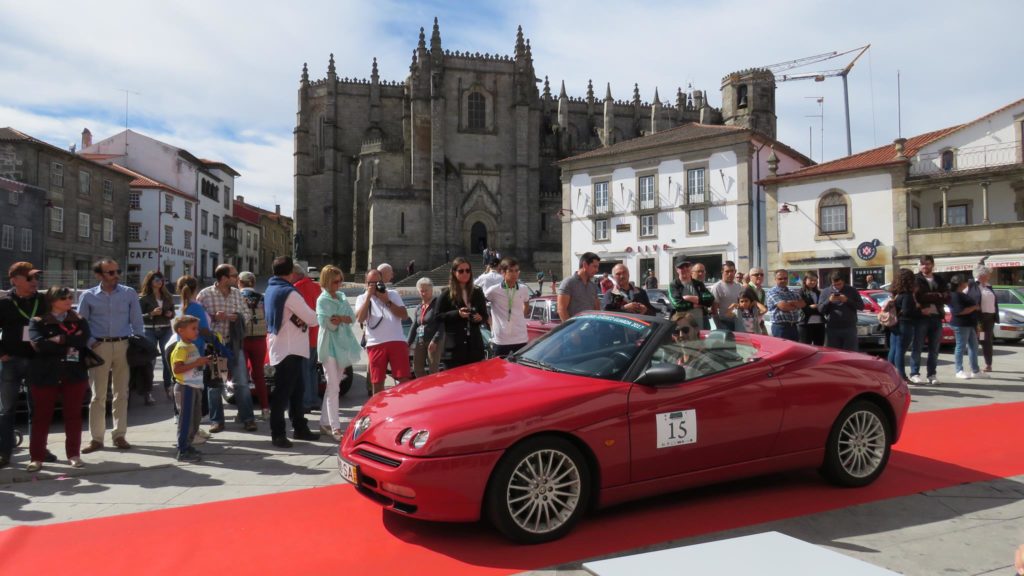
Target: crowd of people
229,331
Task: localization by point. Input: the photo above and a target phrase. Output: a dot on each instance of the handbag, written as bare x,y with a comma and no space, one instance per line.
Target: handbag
888,317
88,358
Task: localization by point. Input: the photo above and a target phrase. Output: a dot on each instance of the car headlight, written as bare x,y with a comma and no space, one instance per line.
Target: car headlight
361,426
404,436
420,439
863,330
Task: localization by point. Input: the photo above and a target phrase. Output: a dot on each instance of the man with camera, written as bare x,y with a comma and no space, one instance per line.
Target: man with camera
381,311
624,296
288,321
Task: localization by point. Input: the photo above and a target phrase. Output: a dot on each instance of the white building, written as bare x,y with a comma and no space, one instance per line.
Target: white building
161,229
212,183
956,194
688,191
247,222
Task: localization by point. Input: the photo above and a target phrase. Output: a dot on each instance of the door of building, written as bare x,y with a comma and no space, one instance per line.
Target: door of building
478,238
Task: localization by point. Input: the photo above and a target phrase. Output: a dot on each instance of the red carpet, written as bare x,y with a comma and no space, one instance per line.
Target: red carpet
334,530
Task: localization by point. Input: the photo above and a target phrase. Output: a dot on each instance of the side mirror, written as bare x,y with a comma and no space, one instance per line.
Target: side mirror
663,374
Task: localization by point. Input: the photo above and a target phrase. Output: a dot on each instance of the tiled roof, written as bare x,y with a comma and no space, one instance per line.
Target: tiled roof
685,133
221,165
874,158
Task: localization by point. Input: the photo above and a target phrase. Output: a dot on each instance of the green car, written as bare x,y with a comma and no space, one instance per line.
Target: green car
1011,297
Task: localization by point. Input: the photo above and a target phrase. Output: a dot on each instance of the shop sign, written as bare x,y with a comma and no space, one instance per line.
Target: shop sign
860,275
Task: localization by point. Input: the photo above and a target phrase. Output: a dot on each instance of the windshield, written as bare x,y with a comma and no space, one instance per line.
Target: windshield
880,298
595,345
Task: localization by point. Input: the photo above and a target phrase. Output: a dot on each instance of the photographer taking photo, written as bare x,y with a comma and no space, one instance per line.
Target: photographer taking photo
382,311
463,308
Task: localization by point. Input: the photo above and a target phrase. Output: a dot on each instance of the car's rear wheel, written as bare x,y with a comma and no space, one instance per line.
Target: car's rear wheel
858,445
539,490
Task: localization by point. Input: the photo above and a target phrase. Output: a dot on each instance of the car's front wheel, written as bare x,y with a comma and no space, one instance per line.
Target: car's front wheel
539,490
858,445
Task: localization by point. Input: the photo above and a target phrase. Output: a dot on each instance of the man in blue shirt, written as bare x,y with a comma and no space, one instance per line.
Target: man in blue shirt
784,307
114,314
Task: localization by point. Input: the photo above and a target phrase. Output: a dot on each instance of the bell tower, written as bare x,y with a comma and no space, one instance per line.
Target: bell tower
748,100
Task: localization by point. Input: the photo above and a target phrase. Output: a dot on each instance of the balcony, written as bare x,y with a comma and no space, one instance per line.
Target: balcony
966,159
954,239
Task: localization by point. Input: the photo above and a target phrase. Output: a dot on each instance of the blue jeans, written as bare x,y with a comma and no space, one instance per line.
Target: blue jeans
243,397
310,381
966,337
900,338
787,331
12,373
159,337
928,327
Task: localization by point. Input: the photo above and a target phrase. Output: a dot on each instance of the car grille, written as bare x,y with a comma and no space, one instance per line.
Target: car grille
378,458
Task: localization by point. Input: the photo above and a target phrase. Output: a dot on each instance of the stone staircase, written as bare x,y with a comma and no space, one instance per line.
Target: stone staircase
439,276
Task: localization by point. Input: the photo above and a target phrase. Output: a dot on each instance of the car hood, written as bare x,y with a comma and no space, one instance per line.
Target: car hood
487,406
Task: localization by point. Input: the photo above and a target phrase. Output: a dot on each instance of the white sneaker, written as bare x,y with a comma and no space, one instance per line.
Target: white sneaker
200,436
934,381
915,378
980,375
963,375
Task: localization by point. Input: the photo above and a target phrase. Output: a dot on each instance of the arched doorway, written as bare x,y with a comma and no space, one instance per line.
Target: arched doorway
478,238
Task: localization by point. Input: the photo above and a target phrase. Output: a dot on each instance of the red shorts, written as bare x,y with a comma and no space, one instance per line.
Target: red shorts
395,353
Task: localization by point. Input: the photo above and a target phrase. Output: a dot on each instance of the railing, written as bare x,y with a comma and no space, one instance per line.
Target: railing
967,159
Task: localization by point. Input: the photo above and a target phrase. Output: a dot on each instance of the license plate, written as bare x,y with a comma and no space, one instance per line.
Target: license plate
348,471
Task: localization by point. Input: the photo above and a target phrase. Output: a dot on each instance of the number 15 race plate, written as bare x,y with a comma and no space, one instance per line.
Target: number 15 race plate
676,428
348,471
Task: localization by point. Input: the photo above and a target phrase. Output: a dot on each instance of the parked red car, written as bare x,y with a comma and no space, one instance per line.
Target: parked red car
543,316
612,407
875,299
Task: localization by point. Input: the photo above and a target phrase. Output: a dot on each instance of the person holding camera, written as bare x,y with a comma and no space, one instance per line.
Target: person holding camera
624,296
462,308
839,304
381,310
510,303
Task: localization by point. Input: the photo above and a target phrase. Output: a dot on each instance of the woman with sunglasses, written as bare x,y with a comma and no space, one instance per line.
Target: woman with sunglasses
56,369
157,311
463,309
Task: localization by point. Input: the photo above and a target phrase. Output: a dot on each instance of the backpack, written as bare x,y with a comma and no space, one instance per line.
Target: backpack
888,316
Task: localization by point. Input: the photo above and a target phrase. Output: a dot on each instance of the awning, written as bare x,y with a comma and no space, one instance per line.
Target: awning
968,263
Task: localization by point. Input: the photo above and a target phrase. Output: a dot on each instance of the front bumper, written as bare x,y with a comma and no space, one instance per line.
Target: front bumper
449,489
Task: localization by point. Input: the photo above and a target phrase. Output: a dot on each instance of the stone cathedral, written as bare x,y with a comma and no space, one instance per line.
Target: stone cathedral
461,154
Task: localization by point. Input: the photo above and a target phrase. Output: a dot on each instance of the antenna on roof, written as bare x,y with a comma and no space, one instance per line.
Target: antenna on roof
899,107
126,93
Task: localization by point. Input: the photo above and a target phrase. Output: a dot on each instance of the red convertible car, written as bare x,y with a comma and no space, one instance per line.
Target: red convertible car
612,407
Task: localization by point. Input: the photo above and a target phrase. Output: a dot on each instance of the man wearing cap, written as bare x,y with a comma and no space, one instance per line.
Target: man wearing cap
17,307
578,293
687,294
114,314
784,307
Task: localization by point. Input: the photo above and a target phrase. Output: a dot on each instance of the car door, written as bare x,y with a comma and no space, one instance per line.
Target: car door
724,416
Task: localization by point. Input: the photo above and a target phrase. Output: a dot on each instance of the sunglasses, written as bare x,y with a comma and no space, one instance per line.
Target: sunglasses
463,271
683,330
112,272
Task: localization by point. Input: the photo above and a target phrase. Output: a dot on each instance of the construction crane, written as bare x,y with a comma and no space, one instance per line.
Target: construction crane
821,75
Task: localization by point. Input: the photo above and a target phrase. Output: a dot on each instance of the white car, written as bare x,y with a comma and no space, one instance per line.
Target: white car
1010,327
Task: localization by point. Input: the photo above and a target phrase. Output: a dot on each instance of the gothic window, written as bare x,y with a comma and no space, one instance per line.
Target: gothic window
477,111
833,213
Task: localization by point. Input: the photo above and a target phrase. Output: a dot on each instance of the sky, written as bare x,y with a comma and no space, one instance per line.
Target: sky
220,77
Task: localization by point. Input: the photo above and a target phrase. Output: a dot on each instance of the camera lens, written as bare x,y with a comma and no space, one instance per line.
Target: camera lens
381,287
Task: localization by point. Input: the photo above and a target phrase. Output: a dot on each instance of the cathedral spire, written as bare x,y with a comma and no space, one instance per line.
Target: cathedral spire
547,89
636,94
305,74
608,93
435,37
423,40
657,101
590,90
331,72
529,50
561,93
680,99
520,46
374,76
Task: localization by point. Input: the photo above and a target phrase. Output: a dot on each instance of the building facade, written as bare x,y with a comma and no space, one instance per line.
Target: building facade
86,204
161,230
277,233
687,191
956,194
460,155
211,183
247,224
22,219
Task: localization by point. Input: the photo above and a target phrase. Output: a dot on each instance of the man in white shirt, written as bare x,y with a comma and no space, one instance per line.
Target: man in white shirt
381,311
288,320
491,277
510,302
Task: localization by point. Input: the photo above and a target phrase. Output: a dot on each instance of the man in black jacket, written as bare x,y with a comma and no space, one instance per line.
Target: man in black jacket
839,303
932,295
17,307
687,294
624,296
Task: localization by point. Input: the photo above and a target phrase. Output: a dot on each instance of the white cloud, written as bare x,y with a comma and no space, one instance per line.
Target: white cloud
219,78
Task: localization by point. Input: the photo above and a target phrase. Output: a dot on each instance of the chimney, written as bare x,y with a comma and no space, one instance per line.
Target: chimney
899,143
86,138
239,199
277,209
